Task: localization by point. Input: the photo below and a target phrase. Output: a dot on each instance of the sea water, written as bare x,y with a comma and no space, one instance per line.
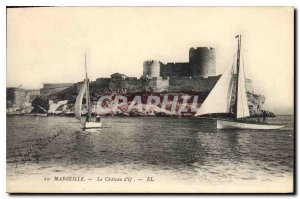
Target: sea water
178,149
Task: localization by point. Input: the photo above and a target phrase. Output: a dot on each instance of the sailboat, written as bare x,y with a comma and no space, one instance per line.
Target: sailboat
88,124
227,102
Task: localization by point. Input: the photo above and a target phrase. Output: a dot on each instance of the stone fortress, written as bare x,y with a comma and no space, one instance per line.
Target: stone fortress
197,75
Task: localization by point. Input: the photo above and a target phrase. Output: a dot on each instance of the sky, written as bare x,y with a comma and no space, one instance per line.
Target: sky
47,45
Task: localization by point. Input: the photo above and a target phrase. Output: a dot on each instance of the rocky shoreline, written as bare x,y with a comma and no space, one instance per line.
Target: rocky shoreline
62,104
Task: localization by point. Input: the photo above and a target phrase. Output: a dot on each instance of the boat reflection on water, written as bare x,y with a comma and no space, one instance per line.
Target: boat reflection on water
96,130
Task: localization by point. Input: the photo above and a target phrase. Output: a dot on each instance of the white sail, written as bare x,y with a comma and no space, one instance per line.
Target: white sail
218,100
242,100
78,103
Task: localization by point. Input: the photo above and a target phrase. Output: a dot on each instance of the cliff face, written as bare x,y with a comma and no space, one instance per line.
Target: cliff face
165,104
173,103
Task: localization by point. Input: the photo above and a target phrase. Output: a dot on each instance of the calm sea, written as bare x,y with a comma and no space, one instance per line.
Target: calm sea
180,148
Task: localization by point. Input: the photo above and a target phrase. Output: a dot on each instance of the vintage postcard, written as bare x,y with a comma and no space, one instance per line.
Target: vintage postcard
150,100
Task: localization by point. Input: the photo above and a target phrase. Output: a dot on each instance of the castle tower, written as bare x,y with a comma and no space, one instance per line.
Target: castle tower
202,61
151,68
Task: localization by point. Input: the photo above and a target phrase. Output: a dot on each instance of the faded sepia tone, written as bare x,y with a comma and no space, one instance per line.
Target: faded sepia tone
113,36
46,50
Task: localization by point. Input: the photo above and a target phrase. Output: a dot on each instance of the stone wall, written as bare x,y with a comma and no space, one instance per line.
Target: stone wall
172,84
100,85
151,68
32,93
54,88
156,85
15,96
133,85
197,84
126,85
175,69
18,96
202,61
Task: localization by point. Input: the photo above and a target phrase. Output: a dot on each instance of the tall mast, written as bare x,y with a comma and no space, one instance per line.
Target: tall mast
86,76
87,91
237,72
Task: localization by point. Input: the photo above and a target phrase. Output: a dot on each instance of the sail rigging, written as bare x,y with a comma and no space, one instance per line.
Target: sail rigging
218,100
242,100
221,98
83,90
229,95
78,103
89,116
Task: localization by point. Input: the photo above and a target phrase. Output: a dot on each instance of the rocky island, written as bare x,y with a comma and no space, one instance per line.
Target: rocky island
171,89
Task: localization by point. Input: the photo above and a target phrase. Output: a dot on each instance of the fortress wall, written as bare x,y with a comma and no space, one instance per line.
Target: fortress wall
173,84
151,68
100,85
203,61
10,94
54,88
192,84
133,85
155,85
149,85
116,85
17,96
161,85
180,84
175,69
127,86
20,97
32,93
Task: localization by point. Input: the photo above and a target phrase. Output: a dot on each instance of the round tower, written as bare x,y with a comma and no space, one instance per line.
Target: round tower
151,68
202,61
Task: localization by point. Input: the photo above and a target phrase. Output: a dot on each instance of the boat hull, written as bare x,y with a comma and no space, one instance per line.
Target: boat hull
223,124
92,125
